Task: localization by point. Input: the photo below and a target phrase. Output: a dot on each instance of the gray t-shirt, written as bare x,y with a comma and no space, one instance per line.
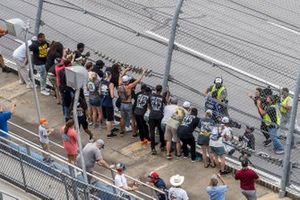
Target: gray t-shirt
43,135
91,154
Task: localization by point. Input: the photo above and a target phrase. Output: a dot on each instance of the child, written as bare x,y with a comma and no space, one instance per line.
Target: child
44,132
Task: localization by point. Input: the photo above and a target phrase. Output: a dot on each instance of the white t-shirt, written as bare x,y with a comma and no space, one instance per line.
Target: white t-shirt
120,181
43,135
216,139
169,110
20,52
177,194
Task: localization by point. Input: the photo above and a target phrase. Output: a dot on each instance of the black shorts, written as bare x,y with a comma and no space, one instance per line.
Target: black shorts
82,122
108,113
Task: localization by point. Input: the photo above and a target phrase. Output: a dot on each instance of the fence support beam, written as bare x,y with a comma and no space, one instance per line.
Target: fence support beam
171,45
38,18
287,155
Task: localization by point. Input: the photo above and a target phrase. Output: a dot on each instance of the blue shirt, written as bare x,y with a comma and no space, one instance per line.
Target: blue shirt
217,192
4,117
160,184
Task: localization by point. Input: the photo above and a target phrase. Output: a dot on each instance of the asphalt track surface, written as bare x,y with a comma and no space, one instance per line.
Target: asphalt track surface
254,36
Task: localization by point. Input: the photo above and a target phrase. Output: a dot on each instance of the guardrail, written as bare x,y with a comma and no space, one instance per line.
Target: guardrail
60,170
151,190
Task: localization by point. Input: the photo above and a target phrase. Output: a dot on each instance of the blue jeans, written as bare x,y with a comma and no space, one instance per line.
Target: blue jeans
274,137
126,112
43,75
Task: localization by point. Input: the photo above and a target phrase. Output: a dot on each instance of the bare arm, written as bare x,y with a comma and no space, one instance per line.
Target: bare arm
221,179
103,163
122,74
111,90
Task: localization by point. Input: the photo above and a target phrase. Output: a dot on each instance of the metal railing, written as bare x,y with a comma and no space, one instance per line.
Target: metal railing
24,168
149,191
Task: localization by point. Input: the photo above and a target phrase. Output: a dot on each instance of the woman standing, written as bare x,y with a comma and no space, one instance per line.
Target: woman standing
69,137
107,96
93,86
205,125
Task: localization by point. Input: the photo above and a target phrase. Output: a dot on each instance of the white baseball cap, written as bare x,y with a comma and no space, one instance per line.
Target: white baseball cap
177,180
126,78
186,104
225,120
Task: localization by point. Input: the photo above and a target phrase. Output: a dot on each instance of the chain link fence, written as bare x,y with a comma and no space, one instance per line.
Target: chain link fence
244,38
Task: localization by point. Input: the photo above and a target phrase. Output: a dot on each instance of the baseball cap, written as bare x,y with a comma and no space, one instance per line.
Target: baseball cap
186,104
225,120
100,142
153,174
218,80
126,78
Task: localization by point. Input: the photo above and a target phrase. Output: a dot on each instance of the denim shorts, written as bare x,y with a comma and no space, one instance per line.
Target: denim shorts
95,102
126,112
219,151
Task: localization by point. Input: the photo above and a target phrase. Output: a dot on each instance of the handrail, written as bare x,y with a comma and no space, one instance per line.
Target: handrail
67,163
58,145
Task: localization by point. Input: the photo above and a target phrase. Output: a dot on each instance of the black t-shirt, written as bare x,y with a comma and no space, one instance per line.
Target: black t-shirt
40,51
157,103
97,70
141,103
187,126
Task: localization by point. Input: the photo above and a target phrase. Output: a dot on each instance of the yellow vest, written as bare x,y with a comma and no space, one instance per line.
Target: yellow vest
267,119
284,103
219,91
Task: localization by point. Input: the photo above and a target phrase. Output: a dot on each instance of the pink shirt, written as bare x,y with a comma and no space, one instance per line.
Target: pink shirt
70,141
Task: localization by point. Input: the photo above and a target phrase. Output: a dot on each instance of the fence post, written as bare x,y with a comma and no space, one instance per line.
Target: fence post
28,150
63,178
171,45
287,155
36,98
38,18
22,169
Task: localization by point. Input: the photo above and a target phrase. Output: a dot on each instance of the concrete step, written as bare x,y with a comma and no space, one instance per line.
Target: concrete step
272,196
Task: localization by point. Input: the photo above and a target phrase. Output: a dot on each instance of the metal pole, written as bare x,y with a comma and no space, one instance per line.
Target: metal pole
75,118
36,98
287,154
171,46
38,18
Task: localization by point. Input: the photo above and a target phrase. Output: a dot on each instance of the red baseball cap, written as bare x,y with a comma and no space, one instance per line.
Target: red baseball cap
153,174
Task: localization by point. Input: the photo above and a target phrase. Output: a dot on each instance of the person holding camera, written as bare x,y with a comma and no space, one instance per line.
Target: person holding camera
271,118
263,127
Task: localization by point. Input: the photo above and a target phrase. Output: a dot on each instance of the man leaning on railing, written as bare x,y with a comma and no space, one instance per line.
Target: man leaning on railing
4,117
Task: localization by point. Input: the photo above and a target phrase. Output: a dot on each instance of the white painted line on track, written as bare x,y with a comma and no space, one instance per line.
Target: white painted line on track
284,27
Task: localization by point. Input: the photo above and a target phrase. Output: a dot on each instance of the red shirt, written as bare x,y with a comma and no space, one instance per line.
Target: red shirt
247,178
58,69
70,141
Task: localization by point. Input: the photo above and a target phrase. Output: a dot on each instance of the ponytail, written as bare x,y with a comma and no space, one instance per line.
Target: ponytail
68,125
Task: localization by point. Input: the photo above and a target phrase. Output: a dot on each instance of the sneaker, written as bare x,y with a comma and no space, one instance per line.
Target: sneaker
110,135
47,89
116,123
224,172
114,129
21,82
44,92
169,157
122,133
279,152
267,142
154,152
128,129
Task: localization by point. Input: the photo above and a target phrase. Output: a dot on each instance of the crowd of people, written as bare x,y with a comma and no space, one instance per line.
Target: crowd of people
147,113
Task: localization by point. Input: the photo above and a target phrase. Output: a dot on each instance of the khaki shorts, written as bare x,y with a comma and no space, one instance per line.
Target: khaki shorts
171,134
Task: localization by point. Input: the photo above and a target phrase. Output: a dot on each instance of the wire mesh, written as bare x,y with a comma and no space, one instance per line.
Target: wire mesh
244,34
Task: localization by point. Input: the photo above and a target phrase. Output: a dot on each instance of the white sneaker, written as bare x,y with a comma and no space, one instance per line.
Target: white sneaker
44,92
128,129
47,89
21,82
